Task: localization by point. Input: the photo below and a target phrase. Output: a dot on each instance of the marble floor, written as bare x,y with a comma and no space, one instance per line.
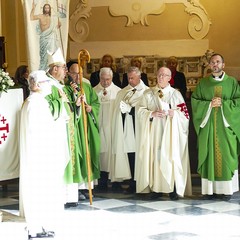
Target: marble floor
120,216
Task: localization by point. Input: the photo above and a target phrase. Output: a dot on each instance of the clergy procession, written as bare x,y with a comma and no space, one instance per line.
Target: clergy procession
109,115
112,127
77,140
117,132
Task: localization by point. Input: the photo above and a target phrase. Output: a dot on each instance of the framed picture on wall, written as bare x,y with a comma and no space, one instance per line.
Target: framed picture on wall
193,69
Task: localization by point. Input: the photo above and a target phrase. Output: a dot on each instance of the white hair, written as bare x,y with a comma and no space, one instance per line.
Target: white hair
36,77
134,69
106,70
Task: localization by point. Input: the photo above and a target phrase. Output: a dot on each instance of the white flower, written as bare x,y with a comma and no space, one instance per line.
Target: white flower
5,81
10,82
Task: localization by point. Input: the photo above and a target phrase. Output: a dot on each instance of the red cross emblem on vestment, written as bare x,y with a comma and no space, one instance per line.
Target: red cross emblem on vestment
4,129
183,108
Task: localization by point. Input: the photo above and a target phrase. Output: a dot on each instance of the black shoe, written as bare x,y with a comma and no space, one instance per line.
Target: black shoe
85,192
208,197
70,204
43,234
154,195
173,196
117,187
48,234
81,196
226,197
101,188
130,190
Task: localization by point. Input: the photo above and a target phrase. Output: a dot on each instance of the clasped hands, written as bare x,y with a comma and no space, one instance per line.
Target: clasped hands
163,113
216,102
124,107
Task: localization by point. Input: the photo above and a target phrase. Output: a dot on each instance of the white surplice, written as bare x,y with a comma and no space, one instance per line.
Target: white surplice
106,98
163,158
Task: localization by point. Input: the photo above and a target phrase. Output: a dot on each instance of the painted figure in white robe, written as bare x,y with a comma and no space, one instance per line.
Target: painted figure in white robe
41,174
107,92
125,129
47,28
163,158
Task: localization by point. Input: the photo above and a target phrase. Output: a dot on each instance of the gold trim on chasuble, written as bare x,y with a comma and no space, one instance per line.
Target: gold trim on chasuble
72,141
218,154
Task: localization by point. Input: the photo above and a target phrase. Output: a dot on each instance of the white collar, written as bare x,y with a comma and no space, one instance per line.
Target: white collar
217,78
166,89
139,87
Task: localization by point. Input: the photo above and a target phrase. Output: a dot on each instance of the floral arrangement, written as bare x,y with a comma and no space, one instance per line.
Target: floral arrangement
5,81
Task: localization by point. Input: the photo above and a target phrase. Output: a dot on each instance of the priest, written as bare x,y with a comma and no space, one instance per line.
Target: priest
216,107
125,130
106,91
163,158
91,104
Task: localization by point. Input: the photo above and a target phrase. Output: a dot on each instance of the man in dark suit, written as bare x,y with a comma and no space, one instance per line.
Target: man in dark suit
135,62
178,80
107,61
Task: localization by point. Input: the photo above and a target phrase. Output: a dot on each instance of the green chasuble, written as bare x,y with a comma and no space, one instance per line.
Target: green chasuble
218,140
72,173
93,132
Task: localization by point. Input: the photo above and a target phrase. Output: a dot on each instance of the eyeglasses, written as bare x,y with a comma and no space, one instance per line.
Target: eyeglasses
74,73
163,75
63,67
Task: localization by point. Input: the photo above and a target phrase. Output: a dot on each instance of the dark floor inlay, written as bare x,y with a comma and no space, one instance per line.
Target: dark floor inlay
131,209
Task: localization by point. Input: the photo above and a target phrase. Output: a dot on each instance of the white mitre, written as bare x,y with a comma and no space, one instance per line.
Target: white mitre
55,58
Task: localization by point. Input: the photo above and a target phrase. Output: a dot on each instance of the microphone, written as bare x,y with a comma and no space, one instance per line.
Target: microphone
78,89
72,81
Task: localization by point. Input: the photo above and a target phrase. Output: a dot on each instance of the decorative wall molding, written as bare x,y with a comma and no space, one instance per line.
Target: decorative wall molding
138,12
198,26
78,26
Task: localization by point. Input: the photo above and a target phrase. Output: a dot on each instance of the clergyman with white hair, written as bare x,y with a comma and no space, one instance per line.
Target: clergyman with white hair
107,92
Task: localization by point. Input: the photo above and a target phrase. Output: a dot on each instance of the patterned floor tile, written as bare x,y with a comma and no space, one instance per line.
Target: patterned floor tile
132,216
190,210
163,205
220,206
